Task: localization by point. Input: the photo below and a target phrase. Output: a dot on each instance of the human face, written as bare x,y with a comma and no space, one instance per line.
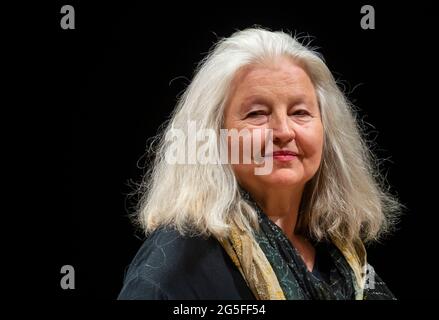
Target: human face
278,95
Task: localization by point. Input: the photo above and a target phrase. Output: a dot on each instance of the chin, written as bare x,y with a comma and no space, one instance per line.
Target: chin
284,177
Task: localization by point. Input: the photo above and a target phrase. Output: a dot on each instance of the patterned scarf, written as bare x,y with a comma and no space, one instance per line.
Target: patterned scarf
274,269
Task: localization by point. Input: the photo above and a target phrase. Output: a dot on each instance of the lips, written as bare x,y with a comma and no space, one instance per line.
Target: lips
283,155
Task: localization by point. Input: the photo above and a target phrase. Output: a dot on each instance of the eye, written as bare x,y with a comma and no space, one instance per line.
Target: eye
301,112
257,113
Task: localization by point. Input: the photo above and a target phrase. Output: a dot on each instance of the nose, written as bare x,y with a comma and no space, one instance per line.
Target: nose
283,131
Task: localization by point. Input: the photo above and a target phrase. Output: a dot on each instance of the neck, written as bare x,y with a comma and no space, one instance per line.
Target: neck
281,206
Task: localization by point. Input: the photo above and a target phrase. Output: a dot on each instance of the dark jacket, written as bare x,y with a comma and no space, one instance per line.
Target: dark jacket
171,266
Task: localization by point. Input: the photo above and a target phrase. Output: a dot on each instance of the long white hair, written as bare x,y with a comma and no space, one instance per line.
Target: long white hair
347,198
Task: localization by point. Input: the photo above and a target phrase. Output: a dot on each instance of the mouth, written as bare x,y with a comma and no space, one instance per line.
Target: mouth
283,155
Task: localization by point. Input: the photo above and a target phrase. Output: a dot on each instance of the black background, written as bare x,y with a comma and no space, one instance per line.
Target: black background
116,78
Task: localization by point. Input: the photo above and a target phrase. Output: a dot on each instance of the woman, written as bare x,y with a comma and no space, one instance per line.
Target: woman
221,230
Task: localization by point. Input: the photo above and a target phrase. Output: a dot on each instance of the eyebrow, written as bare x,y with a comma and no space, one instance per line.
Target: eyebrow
259,99
255,99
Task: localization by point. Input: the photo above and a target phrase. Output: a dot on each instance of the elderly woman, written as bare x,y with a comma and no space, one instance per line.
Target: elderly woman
221,230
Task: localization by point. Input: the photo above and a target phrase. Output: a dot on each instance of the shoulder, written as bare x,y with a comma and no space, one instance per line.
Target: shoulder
166,248
170,265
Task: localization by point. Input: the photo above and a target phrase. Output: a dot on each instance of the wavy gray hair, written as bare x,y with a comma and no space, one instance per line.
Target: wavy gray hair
347,198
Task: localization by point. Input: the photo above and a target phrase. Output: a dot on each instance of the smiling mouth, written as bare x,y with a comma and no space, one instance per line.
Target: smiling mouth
283,155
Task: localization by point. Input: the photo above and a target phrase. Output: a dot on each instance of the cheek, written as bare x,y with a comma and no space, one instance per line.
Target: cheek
311,143
249,155
250,141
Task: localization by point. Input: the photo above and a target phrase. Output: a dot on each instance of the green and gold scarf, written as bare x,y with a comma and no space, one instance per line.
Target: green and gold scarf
274,270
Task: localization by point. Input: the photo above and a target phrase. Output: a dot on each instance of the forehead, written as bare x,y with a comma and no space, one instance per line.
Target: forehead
281,77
